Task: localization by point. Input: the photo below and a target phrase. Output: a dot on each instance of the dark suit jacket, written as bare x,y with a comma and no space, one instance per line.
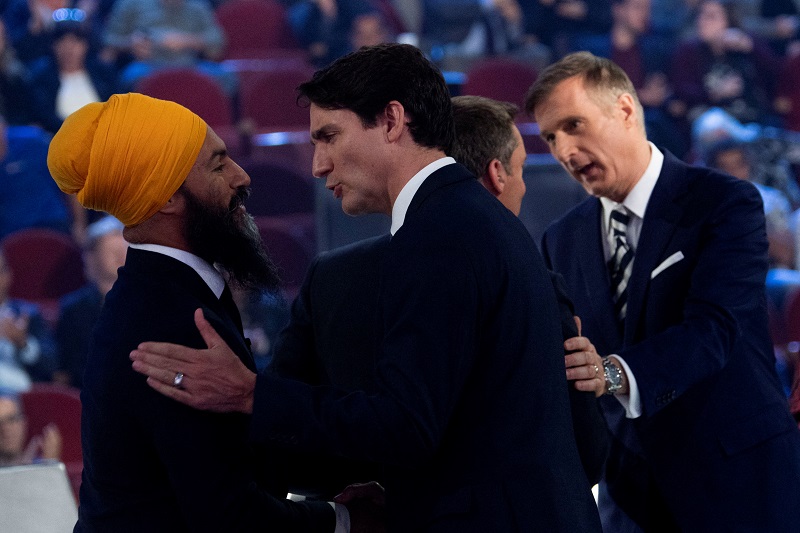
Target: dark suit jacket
42,368
150,463
715,449
471,411
331,339
78,313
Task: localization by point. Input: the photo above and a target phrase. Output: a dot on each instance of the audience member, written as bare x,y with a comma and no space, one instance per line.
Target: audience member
30,23
163,173
28,196
27,350
70,77
725,67
323,27
15,100
554,22
776,21
166,33
471,403
732,157
104,253
644,56
667,265
14,435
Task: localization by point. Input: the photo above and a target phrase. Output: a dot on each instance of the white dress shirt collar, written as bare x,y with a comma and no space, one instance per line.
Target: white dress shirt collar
210,275
637,199
408,191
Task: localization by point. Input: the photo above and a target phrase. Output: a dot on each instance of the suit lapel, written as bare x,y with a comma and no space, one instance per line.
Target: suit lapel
659,224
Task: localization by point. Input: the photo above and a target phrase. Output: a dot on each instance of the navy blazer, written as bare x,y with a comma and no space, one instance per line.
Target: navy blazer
151,463
331,339
471,411
715,449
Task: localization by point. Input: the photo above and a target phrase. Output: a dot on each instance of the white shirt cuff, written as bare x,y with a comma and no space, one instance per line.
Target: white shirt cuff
631,402
342,518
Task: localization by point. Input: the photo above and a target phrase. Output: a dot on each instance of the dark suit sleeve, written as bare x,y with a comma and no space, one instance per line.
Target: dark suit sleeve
720,306
591,433
214,476
431,309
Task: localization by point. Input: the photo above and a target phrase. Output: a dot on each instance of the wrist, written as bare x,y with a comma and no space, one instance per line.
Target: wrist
615,382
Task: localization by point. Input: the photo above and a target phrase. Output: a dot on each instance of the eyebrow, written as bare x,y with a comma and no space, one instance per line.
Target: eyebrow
217,154
321,132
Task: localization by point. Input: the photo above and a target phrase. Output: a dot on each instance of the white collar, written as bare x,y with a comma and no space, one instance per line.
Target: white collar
408,191
204,269
637,199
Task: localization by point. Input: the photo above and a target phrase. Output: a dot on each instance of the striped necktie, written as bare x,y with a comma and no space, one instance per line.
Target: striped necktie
621,262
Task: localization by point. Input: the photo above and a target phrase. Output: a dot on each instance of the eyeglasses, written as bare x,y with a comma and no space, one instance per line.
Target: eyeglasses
78,15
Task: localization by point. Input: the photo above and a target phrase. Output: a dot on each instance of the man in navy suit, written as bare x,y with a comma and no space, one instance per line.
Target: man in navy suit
470,416
667,266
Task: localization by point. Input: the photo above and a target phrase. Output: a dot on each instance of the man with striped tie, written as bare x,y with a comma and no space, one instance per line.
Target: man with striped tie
666,265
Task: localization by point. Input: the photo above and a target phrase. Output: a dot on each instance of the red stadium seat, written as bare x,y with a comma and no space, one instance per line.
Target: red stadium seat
46,265
48,403
501,79
269,99
254,28
287,241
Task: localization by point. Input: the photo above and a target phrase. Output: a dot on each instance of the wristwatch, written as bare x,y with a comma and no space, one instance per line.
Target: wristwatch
613,376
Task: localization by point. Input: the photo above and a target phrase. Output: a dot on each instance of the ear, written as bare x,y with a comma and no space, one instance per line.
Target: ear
175,205
395,116
627,106
494,179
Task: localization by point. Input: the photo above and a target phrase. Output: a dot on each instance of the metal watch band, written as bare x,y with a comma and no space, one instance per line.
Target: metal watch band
613,376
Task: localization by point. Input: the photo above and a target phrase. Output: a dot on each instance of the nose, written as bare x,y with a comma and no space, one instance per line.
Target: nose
240,178
563,150
321,164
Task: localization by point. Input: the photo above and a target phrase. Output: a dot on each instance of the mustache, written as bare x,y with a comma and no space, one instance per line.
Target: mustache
241,196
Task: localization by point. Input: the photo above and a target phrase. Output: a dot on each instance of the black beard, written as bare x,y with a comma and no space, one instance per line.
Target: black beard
230,240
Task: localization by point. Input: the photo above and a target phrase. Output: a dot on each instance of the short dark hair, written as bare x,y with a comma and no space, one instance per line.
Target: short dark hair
365,81
598,73
484,131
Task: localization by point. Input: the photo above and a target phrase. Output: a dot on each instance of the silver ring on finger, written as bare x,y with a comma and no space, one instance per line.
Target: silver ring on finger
177,380
596,370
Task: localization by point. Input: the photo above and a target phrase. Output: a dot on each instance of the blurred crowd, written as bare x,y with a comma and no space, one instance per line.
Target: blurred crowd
718,80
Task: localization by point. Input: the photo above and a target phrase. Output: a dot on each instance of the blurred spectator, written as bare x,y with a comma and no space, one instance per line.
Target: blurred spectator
554,22
725,67
104,253
14,433
776,21
673,18
15,100
29,198
773,151
30,23
27,351
369,29
70,77
458,32
644,57
322,26
732,157
264,315
166,33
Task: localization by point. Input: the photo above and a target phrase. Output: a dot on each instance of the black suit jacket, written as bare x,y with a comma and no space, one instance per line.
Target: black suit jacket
471,412
715,449
150,463
332,339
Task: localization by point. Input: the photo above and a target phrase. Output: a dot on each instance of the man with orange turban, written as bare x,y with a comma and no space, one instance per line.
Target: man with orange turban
150,463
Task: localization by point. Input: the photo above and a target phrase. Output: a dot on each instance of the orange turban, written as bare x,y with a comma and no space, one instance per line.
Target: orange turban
126,156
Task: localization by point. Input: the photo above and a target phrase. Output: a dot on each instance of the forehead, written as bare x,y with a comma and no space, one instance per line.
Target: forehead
568,98
321,117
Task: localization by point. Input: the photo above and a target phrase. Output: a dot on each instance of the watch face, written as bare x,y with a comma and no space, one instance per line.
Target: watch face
613,377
